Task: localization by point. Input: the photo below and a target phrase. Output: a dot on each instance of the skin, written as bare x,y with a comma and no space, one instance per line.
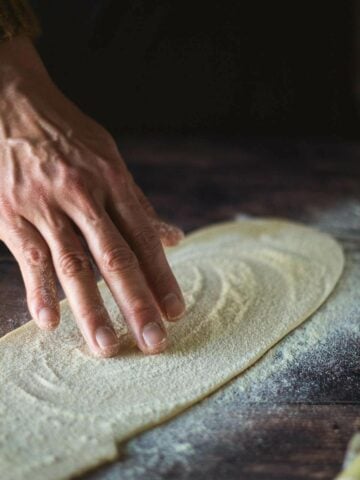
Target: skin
66,194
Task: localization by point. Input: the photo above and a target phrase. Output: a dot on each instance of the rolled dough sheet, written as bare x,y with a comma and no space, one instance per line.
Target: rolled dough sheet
246,284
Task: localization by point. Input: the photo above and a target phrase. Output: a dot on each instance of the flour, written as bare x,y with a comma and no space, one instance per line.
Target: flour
246,285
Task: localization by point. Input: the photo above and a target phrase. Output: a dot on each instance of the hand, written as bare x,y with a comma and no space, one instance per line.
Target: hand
64,184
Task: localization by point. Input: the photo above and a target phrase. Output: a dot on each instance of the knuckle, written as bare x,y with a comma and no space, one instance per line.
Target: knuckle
73,263
35,256
56,222
119,259
77,193
88,206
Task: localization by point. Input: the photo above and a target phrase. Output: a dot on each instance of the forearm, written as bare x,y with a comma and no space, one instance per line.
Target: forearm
17,18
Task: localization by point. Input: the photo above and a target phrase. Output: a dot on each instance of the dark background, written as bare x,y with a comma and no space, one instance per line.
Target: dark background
234,67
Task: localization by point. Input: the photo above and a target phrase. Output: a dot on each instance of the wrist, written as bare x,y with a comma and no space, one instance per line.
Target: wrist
20,63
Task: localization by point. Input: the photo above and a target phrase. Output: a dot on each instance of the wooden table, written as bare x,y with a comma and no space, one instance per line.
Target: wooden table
298,428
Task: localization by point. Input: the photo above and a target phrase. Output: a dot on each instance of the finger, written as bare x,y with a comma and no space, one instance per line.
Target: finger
169,234
144,240
34,259
121,271
74,271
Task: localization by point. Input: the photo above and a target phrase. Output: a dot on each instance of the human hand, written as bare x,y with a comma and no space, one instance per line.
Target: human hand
64,184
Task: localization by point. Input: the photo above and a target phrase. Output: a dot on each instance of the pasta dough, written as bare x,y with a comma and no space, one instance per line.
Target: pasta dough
246,285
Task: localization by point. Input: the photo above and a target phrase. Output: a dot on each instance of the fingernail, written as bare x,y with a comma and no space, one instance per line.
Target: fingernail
106,337
48,317
153,334
174,307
